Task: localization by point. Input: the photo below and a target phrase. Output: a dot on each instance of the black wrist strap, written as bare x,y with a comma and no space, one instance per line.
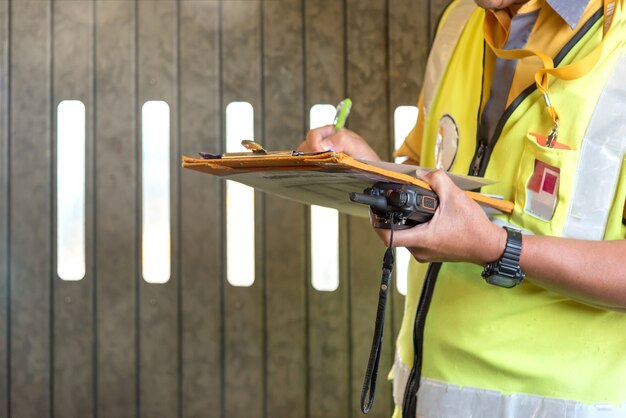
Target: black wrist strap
371,373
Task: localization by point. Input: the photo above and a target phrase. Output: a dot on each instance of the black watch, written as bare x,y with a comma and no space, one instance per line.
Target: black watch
506,271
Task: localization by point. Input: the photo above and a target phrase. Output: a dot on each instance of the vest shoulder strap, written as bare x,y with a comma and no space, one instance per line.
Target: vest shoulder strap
443,46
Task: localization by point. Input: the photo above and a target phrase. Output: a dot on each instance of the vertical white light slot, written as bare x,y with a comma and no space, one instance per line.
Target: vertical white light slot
71,190
403,256
321,114
239,201
155,187
404,119
324,223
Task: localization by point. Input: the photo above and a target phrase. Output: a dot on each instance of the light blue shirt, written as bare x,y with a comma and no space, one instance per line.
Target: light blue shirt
571,11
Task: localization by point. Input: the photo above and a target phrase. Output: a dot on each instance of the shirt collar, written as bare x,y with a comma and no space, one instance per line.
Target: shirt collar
571,11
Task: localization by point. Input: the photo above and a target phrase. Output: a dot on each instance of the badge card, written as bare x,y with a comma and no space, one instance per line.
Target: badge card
542,191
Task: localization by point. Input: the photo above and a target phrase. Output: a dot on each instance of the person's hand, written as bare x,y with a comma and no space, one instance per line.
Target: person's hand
458,231
346,141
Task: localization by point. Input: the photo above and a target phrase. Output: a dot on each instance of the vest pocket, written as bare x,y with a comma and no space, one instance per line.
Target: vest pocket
542,187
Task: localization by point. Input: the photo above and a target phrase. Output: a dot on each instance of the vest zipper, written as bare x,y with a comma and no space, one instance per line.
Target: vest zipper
478,159
477,168
484,149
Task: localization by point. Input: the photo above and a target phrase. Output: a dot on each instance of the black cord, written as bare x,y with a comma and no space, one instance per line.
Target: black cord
409,404
371,373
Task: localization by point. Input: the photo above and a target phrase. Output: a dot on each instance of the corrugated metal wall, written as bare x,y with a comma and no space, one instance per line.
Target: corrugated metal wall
112,345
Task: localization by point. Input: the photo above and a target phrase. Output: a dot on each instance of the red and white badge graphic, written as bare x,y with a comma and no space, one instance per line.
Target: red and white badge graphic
542,191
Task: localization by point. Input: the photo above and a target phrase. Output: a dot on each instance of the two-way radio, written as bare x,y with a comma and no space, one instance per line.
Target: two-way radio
407,205
394,206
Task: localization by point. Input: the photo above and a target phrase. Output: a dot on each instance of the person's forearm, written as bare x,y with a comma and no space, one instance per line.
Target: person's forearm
593,272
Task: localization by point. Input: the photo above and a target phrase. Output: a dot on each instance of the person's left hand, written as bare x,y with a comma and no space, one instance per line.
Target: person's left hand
458,231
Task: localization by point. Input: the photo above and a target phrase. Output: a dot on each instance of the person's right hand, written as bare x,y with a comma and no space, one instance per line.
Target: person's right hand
346,141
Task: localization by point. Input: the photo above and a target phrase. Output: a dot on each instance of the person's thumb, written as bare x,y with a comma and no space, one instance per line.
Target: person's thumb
439,181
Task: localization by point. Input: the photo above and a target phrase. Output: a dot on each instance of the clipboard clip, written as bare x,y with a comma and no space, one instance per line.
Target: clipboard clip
259,151
255,147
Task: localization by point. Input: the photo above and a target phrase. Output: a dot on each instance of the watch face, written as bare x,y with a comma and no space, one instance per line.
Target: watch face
502,281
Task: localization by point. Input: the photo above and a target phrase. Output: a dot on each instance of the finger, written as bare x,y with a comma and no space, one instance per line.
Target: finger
421,173
383,234
412,237
345,141
440,182
423,256
316,137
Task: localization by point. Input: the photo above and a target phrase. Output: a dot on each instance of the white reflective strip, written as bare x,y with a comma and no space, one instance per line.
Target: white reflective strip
443,47
400,376
443,400
600,161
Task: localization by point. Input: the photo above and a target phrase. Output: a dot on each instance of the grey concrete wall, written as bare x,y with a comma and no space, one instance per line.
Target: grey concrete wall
112,345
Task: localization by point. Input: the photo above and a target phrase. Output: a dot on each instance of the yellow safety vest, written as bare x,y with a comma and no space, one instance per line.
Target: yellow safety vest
525,349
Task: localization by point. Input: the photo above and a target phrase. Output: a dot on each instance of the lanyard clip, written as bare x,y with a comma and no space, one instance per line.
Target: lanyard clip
551,140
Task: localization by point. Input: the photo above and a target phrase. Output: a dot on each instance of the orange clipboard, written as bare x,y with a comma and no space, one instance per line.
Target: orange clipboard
323,179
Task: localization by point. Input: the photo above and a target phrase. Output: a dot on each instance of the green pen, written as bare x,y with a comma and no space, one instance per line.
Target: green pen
343,110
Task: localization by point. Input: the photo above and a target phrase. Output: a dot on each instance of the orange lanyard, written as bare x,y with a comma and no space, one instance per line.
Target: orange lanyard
568,72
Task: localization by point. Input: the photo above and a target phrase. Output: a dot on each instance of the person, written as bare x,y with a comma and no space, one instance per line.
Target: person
530,93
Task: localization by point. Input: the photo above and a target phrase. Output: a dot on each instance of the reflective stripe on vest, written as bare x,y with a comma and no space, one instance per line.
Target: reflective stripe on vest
600,162
444,43
400,378
443,400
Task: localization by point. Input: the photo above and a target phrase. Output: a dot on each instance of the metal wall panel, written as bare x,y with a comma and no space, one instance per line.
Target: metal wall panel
408,53
112,345
73,330
4,211
30,209
244,310
437,7
116,202
201,236
285,234
328,320
367,86
157,31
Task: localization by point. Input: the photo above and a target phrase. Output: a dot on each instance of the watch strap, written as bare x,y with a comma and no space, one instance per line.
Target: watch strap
506,272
